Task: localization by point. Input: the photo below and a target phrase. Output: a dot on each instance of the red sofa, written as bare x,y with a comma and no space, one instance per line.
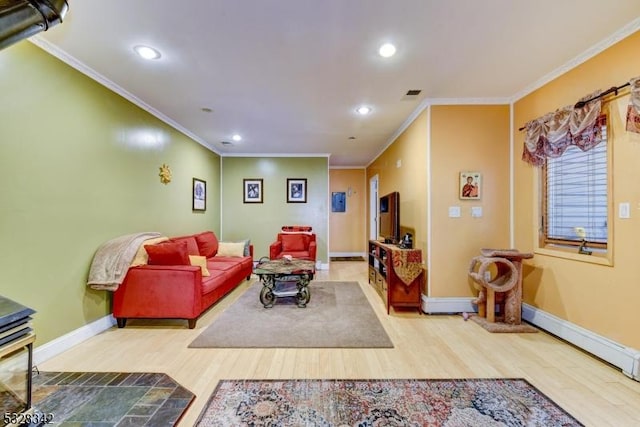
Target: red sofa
297,244
169,287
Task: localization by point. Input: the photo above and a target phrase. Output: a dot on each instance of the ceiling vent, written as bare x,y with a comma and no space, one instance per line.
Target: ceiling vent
413,92
226,143
21,19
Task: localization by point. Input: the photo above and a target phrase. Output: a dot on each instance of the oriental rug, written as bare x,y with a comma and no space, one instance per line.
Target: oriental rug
337,316
366,403
109,399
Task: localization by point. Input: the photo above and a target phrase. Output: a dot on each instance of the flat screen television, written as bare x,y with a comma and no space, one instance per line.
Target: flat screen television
389,217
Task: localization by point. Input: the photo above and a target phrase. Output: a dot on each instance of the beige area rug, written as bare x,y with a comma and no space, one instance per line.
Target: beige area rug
337,316
499,327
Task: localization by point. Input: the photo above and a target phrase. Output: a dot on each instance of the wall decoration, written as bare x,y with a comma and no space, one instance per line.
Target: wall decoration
199,195
252,190
296,190
338,201
165,174
470,185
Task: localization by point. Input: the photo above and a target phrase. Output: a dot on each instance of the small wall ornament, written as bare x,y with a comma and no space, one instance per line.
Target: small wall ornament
165,174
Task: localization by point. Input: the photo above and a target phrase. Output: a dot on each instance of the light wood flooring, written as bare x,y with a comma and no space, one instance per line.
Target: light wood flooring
426,346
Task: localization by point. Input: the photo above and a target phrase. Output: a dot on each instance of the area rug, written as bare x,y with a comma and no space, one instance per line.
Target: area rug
366,403
337,316
109,398
501,327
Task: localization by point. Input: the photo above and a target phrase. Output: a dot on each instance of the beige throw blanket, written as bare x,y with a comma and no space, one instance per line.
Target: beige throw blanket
112,259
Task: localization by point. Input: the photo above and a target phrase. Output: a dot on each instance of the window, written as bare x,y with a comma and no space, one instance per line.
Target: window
575,196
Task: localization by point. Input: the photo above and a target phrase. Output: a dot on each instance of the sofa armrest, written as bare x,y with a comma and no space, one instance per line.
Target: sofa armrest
164,291
313,248
274,249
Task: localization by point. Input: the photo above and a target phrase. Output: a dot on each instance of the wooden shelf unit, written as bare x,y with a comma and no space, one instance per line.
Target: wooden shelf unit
382,276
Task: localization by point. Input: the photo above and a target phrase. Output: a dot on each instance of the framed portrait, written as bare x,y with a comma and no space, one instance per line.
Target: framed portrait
199,195
252,190
296,190
470,185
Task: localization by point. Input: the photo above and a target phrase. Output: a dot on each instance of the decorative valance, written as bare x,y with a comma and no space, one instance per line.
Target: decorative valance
633,111
550,135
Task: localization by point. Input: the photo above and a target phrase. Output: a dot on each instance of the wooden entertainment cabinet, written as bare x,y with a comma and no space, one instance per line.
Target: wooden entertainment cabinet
396,274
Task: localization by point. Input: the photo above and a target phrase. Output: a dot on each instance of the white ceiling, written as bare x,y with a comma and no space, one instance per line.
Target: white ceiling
288,74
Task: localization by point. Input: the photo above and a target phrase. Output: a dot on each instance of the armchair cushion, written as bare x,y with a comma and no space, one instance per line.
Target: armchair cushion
168,254
294,242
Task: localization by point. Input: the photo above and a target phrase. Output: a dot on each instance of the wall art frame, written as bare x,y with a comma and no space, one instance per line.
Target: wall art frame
252,190
296,190
470,185
199,195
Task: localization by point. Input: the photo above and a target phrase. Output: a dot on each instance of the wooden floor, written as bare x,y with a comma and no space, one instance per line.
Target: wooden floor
436,346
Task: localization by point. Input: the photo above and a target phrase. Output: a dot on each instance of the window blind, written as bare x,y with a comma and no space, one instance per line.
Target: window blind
576,194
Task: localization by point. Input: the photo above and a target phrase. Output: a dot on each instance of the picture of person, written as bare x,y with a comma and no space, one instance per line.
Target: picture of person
470,189
296,191
469,185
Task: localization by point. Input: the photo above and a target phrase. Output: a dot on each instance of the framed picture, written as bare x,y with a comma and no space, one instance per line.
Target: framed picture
296,190
199,195
470,185
252,190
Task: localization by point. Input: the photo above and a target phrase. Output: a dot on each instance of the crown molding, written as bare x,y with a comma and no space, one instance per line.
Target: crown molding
93,74
263,155
347,167
594,50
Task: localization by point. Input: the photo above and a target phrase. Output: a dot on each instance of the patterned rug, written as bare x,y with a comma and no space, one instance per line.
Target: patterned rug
368,403
109,398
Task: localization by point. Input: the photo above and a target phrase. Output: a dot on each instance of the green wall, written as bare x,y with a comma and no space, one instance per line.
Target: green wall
261,221
79,166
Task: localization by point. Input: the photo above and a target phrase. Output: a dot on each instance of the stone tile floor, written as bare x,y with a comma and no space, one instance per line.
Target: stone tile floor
105,399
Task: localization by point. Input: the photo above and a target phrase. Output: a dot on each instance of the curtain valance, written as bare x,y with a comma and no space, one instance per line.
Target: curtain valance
550,135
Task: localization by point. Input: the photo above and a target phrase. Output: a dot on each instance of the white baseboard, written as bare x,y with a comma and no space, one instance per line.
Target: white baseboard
447,305
65,342
625,358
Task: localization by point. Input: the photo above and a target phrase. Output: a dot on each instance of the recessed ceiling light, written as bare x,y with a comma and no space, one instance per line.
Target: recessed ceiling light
387,50
147,52
363,110
236,137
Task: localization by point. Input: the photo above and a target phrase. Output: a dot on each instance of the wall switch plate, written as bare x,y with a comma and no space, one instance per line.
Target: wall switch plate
454,212
476,211
624,210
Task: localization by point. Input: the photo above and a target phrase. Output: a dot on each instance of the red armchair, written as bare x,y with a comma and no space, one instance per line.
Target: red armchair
301,245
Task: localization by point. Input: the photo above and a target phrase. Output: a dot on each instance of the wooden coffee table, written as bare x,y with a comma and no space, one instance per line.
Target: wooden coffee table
282,278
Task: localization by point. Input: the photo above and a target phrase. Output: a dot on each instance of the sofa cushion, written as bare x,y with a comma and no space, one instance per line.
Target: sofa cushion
232,249
141,257
168,253
207,243
200,261
192,245
293,242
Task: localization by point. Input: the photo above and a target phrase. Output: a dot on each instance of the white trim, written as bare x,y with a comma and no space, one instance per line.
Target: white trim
625,358
447,305
512,224
347,167
93,74
334,254
599,47
65,342
470,101
266,155
429,204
